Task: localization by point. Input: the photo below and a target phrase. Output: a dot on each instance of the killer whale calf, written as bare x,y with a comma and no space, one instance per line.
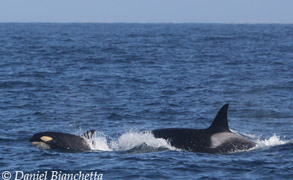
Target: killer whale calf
63,141
217,139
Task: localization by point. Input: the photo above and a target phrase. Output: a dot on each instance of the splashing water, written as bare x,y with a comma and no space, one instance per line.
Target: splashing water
272,141
128,141
99,142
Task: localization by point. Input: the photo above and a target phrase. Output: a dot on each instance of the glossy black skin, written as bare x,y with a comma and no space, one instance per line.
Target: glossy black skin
187,139
199,140
62,141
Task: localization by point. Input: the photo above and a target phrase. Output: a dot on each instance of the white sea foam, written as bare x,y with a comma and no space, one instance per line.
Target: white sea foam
99,142
270,142
128,141
261,143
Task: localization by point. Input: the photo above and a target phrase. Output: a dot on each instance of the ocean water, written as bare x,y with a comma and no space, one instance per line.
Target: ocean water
127,79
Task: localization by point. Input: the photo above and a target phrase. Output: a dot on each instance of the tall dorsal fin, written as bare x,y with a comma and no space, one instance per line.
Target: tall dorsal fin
220,123
89,134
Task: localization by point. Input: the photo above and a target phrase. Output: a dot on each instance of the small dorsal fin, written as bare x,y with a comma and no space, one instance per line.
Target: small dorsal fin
220,123
89,134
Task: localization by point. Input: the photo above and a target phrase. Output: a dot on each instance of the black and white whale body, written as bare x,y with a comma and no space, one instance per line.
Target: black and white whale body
63,141
215,139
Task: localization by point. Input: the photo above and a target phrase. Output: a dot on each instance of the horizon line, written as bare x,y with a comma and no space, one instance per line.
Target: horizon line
101,22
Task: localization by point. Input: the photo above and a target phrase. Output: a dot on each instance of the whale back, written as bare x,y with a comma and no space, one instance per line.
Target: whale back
215,139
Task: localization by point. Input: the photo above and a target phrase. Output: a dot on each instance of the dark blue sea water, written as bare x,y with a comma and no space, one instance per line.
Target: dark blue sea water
124,79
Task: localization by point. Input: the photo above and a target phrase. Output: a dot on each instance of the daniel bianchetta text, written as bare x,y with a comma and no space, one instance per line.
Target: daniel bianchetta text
51,175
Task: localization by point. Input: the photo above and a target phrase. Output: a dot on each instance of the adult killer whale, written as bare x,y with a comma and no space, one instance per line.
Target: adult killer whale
63,141
216,139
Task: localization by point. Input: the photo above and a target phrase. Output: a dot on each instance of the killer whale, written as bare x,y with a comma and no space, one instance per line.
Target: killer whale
217,139
62,141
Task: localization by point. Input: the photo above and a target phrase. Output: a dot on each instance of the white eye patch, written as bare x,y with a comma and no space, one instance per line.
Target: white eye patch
46,138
